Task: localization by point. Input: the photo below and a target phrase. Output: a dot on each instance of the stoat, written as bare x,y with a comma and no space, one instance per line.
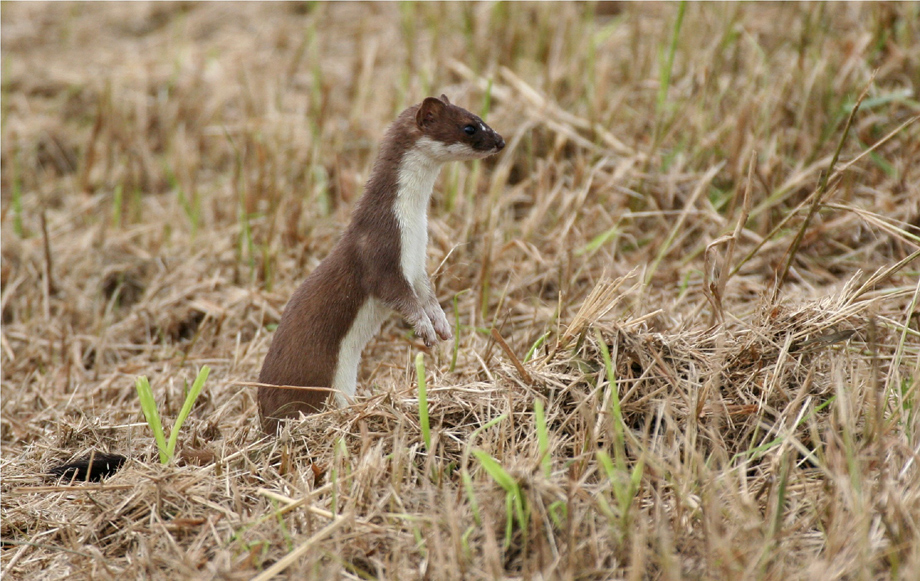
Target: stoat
377,266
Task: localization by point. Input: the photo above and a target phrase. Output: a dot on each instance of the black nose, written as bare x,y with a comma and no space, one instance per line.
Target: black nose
499,142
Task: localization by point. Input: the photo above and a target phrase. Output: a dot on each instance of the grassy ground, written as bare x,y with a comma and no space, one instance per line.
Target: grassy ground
687,339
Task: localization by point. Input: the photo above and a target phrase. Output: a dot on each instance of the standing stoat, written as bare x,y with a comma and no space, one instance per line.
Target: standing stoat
377,265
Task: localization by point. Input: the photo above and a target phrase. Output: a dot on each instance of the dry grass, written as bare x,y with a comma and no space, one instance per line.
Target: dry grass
172,171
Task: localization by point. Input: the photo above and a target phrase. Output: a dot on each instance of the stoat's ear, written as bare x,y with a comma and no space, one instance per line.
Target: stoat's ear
445,99
429,112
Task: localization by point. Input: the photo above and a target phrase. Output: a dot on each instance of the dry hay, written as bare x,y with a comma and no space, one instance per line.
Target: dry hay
164,194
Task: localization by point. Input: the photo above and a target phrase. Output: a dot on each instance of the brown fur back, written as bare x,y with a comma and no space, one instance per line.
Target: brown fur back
304,349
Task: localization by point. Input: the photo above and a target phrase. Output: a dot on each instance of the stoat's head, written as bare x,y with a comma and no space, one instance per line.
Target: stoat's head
451,133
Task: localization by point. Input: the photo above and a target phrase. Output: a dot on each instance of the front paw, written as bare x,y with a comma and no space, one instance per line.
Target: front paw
425,330
439,322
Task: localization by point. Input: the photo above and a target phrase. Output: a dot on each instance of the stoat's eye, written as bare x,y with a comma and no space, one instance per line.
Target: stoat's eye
469,129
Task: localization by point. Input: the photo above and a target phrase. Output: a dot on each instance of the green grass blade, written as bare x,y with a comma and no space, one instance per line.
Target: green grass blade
117,200
486,426
613,476
542,438
186,409
17,198
495,470
619,428
598,241
509,519
533,348
664,82
456,349
471,496
423,400
487,101
149,407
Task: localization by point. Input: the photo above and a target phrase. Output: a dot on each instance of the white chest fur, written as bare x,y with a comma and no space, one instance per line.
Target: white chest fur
417,174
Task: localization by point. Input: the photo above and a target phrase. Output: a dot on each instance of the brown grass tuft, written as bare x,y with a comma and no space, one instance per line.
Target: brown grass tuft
171,172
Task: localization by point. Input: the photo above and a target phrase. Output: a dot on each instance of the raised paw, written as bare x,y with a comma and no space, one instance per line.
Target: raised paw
425,330
439,322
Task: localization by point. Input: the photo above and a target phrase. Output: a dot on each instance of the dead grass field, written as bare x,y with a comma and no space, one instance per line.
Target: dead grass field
171,172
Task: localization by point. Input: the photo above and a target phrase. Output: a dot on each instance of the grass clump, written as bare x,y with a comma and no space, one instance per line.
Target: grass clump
149,407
